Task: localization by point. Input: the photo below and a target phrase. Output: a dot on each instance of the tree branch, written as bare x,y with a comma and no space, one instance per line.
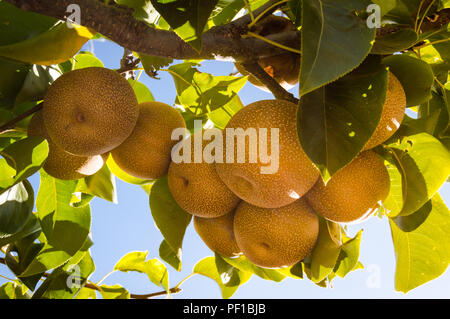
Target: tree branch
11,124
118,24
277,90
92,286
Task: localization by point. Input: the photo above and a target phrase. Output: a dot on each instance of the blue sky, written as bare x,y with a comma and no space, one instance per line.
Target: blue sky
128,226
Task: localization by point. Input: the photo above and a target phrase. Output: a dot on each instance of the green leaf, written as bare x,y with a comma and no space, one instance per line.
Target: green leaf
394,201
444,4
148,187
168,255
169,217
242,263
202,91
405,11
295,271
434,114
152,64
295,6
142,92
11,80
102,184
226,276
228,10
143,10
6,173
415,76
335,121
326,252
417,158
441,43
12,290
394,42
20,254
16,206
53,46
349,255
186,17
19,25
222,115
385,5
154,269
36,83
86,60
114,292
31,227
65,282
421,244
66,227
26,157
86,293
335,40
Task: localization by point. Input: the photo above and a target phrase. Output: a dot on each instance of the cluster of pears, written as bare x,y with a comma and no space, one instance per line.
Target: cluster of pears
272,219
91,113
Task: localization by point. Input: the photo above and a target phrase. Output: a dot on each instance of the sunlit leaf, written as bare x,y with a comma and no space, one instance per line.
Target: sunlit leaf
154,269
226,276
114,292
422,244
169,217
16,206
186,17
417,158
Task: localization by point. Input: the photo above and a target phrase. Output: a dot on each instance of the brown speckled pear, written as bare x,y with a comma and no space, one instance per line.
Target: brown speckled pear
217,233
59,163
278,237
354,192
90,111
146,152
197,188
392,114
296,173
285,67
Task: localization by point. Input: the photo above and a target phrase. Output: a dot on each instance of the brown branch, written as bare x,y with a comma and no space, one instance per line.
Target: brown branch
128,67
174,290
119,25
11,124
277,90
92,286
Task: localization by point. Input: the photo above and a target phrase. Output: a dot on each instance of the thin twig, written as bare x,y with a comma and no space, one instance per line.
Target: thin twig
255,35
249,9
432,43
424,15
267,11
93,286
277,90
11,124
129,67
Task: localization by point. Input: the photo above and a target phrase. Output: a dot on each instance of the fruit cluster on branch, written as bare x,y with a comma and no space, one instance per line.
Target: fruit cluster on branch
272,218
